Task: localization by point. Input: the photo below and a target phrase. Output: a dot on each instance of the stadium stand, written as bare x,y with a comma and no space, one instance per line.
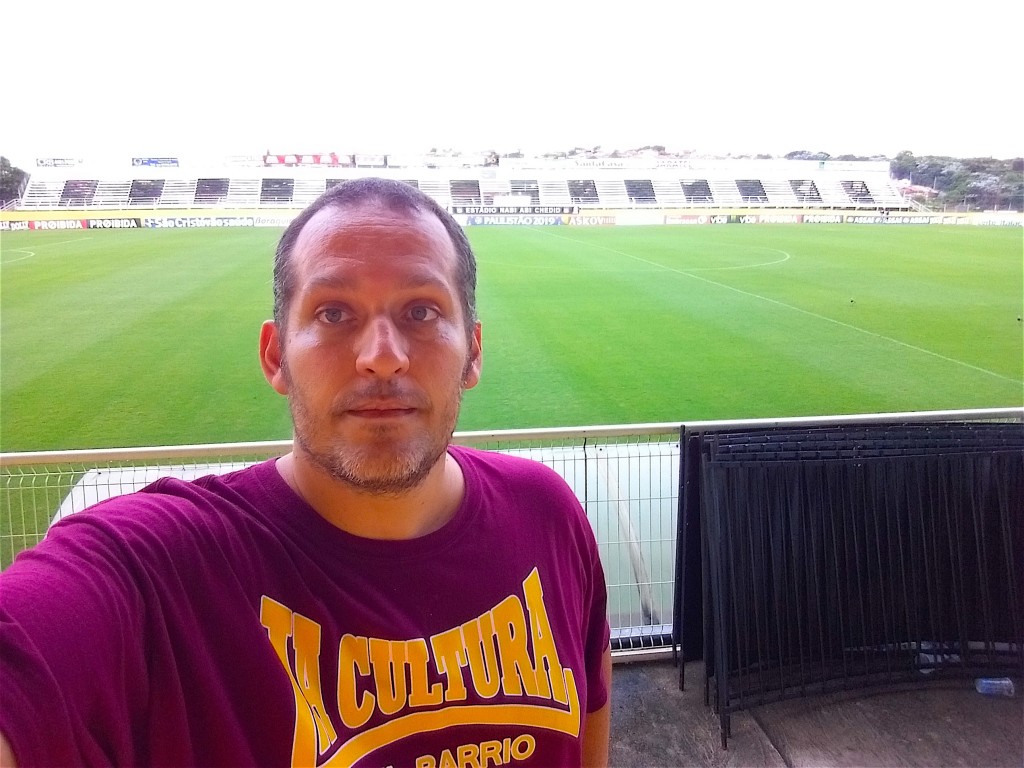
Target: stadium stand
42,193
466,192
275,192
243,193
78,193
885,194
697,191
612,193
752,190
668,192
805,191
583,192
553,192
641,192
178,194
147,192
779,192
439,189
605,183
725,192
112,194
211,192
491,188
858,192
526,188
306,191
833,194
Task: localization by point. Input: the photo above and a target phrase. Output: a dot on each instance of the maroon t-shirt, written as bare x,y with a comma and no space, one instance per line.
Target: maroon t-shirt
224,622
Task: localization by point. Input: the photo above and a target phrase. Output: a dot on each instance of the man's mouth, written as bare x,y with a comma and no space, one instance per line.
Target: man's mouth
382,413
382,410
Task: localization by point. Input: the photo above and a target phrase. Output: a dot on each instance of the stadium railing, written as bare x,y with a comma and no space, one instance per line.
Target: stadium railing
626,476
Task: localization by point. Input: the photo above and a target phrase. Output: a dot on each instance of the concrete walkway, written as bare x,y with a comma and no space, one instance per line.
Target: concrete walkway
941,723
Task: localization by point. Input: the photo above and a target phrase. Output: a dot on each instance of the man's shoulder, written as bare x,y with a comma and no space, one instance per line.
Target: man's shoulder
172,520
524,482
175,501
227,481
514,467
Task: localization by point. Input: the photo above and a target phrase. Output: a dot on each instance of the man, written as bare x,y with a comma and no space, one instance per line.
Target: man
375,597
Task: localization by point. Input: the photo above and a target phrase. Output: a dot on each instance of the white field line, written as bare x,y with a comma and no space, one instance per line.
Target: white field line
29,254
785,257
689,273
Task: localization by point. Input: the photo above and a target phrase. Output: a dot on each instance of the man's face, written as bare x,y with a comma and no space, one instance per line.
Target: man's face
375,353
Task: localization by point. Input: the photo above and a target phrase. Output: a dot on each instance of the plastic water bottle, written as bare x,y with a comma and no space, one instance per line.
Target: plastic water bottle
995,686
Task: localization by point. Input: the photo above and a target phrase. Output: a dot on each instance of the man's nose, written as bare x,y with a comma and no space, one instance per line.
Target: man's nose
382,350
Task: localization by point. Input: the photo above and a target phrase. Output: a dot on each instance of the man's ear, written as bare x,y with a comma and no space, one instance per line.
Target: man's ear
271,357
476,359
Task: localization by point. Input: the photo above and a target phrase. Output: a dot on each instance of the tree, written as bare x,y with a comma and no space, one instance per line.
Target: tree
803,154
904,166
12,181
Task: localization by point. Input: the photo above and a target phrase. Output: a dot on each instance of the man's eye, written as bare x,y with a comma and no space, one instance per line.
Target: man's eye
423,314
331,315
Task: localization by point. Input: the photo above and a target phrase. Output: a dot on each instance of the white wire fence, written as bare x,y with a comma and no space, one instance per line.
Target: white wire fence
626,477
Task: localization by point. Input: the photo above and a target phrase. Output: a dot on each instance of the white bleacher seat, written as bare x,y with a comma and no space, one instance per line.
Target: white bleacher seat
832,193
243,193
491,188
111,194
885,193
780,192
668,191
612,193
307,190
44,193
554,192
178,193
725,192
438,189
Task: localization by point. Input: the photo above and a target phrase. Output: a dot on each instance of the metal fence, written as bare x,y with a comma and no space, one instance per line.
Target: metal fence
836,558
626,477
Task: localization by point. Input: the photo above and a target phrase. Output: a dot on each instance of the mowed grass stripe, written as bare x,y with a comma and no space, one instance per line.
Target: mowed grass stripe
637,343
643,344
920,287
149,337
932,289
675,343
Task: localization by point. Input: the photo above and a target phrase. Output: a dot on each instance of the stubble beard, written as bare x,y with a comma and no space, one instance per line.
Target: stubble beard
384,464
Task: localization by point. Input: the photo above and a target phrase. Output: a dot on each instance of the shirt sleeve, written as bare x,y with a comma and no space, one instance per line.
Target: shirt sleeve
597,632
594,627
71,669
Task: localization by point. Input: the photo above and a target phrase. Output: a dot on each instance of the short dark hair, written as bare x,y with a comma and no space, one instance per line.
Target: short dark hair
396,196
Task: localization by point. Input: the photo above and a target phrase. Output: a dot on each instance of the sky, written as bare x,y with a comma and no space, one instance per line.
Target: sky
187,79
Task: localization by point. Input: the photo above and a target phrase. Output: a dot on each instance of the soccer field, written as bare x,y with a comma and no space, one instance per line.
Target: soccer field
149,337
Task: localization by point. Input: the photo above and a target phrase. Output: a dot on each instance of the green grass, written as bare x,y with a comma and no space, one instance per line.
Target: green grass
134,338
119,338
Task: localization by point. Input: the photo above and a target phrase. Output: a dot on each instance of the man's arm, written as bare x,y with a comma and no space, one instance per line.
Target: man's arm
598,723
6,755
